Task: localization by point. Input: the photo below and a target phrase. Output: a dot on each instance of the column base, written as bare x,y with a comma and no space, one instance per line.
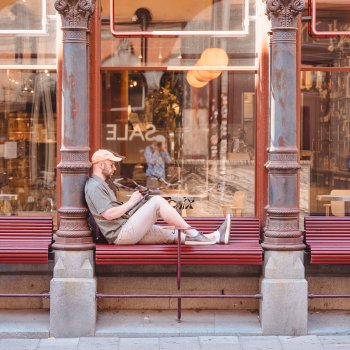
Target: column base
72,307
73,295
284,306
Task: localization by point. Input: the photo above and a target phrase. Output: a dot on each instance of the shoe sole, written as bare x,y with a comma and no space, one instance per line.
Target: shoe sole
200,243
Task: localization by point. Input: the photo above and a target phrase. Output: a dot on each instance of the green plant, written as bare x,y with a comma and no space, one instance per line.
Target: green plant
165,107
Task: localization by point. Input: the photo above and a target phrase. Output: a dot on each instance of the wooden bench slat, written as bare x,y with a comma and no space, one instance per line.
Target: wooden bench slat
25,239
328,239
243,247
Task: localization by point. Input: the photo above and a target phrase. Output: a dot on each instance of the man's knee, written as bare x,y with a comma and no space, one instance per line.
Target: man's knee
159,200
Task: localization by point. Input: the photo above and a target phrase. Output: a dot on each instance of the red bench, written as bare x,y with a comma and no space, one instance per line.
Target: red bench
25,239
243,248
328,238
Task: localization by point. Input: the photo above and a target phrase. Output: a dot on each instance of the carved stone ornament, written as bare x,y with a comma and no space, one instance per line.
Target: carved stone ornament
283,12
75,13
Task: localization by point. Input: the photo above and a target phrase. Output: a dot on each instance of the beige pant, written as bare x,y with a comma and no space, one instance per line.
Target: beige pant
140,227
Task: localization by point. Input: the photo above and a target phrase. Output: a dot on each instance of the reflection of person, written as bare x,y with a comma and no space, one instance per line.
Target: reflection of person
157,157
120,228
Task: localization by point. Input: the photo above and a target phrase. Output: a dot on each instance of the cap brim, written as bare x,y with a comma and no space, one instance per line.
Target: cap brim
116,159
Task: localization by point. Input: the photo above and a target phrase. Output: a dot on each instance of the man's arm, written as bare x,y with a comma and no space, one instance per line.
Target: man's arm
117,212
166,156
151,156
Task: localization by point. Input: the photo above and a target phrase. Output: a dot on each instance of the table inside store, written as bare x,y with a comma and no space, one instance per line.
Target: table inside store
337,197
7,198
182,199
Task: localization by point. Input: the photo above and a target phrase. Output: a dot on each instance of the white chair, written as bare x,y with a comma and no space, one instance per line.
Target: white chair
237,206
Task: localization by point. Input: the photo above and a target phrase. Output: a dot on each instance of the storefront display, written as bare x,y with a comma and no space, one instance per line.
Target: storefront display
28,108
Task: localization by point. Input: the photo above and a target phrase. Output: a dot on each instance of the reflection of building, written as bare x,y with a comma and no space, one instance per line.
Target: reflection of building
134,89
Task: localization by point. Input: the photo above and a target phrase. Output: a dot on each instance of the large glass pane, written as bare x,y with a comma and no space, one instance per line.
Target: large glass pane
19,15
325,142
19,41
330,16
177,51
327,52
184,16
208,133
27,142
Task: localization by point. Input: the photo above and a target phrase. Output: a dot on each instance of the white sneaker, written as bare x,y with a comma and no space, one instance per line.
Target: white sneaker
200,239
224,230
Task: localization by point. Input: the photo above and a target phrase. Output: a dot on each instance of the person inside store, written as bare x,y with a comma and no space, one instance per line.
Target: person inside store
157,156
120,225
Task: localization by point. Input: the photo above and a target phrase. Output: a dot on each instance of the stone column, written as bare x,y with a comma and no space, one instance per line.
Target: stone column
283,309
73,287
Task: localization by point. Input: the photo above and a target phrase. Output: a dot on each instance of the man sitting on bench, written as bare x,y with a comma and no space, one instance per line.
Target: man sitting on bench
119,227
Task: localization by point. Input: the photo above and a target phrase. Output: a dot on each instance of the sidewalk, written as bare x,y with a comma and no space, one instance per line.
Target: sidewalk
157,324
150,330
310,342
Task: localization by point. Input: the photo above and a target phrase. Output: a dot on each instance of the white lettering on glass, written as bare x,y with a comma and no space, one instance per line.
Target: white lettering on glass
126,132
136,133
148,135
151,130
111,132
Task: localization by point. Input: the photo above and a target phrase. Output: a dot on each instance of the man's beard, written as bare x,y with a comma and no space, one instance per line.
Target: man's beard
107,173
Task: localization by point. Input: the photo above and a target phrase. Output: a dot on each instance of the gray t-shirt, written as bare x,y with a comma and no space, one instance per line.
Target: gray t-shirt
100,197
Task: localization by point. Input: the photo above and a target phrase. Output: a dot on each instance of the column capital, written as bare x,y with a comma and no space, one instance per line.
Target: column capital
283,13
75,13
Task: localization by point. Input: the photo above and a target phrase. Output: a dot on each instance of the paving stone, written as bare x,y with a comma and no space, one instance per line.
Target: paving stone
18,344
307,342
219,342
138,344
260,343
334,339
95,343
176,343
219,339
335,347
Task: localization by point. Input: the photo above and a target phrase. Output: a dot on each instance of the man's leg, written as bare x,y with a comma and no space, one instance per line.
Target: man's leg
140,224
140,227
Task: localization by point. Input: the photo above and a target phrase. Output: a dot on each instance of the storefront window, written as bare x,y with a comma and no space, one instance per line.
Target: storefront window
325,119
206,133
28,32
329,17
164,95
28,108
198,17
27,141
332,51
179,51
325,147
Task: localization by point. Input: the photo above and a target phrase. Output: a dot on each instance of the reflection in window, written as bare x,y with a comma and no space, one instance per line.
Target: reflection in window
207,132
196,16
325,113
179,51
27,47
327,52
325,146
27,141
330,17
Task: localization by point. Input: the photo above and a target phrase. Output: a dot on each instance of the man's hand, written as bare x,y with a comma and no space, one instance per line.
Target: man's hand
120,210
135,197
